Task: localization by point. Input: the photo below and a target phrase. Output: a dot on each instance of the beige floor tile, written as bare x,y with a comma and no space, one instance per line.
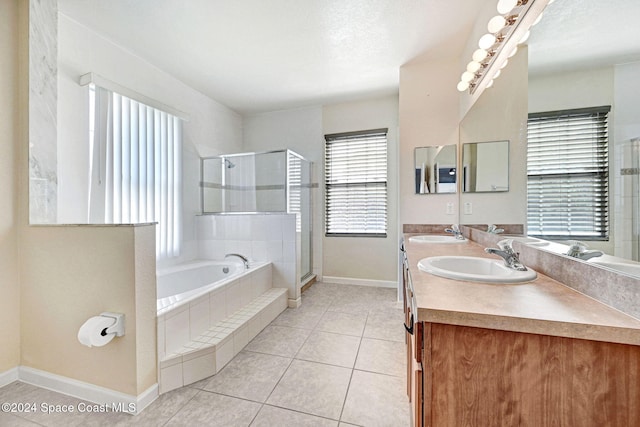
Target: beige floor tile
8,419
251,376
305,317
385,325
330,348
279,341
376,400
383,357
270,416
343,323
312,388
212,410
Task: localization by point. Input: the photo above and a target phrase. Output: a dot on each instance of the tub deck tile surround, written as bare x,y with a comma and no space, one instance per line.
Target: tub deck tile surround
212,349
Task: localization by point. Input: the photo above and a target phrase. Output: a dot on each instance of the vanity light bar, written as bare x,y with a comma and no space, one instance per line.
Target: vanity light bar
506,31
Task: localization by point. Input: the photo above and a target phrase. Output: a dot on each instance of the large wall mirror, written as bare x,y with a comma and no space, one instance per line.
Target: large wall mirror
436,169
588,70
570,68
485,167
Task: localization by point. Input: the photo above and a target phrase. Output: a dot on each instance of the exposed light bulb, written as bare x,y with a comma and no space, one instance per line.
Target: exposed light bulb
497,74
504,64
513,52
462,86
489,84
486,41
473,66
505,6
479,55
496,24
467,76
525,37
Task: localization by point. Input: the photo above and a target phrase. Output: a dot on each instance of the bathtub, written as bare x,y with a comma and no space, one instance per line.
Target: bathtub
182,283
207,312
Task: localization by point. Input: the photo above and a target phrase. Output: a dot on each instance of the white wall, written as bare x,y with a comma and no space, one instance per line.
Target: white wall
366,259
301,131
500,114
9,168
212,129
428,117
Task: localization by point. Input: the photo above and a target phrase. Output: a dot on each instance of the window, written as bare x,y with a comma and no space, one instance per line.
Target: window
135,169
356,184
568,174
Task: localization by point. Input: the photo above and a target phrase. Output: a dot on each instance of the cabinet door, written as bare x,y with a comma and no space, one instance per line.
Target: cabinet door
417,377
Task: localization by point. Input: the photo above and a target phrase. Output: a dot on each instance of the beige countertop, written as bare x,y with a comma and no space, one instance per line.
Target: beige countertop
543,306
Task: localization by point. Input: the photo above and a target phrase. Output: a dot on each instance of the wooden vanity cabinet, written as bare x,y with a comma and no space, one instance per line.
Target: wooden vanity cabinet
486,377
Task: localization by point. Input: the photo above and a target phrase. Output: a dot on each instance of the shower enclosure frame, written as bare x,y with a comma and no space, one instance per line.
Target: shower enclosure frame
287,192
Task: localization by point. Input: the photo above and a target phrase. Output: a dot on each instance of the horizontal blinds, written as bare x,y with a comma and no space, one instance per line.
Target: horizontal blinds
356,183
568,174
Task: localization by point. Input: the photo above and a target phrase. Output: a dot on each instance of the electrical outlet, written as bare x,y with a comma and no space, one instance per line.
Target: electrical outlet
449,208
468,208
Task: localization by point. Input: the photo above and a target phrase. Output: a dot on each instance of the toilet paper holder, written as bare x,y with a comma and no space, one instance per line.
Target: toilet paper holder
117,328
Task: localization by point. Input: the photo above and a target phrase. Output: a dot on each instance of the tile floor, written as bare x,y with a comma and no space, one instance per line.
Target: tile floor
338,360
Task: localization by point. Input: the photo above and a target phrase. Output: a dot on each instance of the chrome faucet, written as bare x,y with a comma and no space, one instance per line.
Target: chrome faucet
455,230
579,250
494,230
510,256
245,261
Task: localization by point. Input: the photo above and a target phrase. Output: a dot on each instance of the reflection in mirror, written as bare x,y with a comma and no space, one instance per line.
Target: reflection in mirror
436,169
592,68
485,167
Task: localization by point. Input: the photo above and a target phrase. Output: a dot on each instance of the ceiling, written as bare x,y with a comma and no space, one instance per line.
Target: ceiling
265,55
578,33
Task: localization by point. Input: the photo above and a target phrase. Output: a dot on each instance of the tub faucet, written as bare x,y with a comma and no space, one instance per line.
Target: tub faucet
510,256
455,230
245,261
494,230
579,250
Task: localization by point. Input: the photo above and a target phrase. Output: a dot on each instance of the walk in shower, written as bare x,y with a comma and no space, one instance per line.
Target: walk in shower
274,181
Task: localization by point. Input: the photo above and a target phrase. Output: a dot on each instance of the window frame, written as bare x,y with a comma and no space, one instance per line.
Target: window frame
379,184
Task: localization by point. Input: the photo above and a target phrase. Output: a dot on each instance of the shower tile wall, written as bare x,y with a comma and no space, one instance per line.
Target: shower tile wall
259,237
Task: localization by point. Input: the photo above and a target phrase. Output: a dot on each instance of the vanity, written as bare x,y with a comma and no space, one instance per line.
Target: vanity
533,353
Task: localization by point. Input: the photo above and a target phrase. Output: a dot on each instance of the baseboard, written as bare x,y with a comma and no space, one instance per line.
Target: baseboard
7,377
89,392
360,282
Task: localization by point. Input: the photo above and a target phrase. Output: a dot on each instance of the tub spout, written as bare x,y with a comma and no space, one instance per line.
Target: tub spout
244,259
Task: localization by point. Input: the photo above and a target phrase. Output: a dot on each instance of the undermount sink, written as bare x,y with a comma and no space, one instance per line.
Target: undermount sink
474,269
434,238
623,267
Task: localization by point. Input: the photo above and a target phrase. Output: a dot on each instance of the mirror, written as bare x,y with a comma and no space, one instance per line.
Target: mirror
436,169
589,70
485,167
572,67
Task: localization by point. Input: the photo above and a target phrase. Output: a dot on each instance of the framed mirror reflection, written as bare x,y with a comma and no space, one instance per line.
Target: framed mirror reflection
485,167
436,169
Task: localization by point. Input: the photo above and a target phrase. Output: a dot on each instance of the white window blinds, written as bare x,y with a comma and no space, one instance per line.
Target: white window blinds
568,174
356,183
135,167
